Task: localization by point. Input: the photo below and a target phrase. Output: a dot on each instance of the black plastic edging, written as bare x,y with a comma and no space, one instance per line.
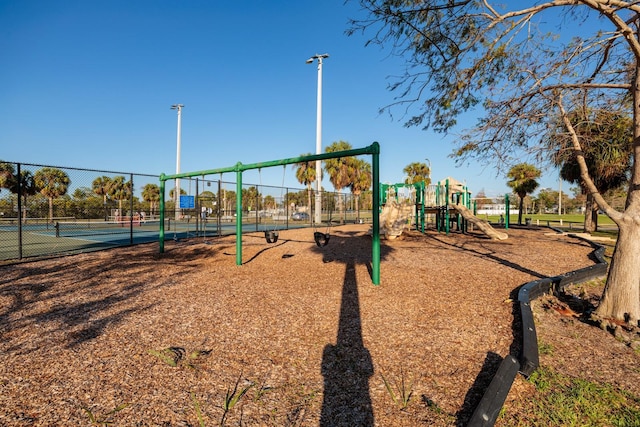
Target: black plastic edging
529,360
529,357
493,399
488,410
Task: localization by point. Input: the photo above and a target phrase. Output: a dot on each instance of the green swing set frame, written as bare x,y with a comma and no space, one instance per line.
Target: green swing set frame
239,168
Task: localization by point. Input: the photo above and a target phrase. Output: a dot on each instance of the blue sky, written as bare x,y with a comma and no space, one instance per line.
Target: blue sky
90,84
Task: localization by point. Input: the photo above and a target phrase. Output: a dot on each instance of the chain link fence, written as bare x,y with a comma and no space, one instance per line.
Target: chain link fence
49,210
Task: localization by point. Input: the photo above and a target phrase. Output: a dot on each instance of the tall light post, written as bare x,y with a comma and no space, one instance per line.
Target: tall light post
560,198
177,189
429,173
318,218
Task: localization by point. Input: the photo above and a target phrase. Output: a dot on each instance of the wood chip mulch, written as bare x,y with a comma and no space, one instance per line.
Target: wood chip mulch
298,335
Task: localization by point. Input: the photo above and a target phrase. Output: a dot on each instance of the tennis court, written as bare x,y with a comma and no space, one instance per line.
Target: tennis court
91,215
40,237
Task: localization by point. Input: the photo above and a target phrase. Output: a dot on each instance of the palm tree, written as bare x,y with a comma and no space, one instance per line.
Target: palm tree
270,202
417,172
251,198
101,186
228,202
25,187
306,175
361,181
52,183
7,174
523,181
120,190
340,170
151,194
173,191
606,139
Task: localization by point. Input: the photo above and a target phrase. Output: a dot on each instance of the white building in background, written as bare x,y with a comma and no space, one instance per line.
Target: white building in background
496,209
496,206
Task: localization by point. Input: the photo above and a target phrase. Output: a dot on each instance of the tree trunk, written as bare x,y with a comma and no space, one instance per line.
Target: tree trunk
520,208
588,214
621,296
24,208
51,209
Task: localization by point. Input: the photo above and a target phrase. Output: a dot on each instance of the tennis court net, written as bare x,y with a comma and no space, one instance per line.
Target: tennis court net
98,227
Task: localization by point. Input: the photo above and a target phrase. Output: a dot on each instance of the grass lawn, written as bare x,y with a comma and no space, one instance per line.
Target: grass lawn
564,400
553,219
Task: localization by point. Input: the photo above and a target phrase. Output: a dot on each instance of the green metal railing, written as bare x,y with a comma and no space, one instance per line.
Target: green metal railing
239,168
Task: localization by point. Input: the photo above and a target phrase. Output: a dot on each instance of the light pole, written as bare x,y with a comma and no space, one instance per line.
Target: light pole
560,198
318,218
429,173
177,189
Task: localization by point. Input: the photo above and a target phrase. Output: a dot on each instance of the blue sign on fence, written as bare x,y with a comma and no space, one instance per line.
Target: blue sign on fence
187,202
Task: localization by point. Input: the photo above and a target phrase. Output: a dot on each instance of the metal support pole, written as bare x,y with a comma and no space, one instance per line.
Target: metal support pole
257,208
20,213
423,195
375,243
318,212
220,208
198,208
239,214
161,233
178,143
446,212
318,218
506,211
131,211
438,221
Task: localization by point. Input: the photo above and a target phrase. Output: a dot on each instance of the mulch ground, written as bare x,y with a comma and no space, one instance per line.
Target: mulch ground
298,335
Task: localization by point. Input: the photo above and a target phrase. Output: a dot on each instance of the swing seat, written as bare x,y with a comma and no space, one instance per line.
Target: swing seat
271,236
322,239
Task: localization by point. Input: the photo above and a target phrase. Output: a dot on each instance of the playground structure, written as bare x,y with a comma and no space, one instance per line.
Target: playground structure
393,218
448,202
239,168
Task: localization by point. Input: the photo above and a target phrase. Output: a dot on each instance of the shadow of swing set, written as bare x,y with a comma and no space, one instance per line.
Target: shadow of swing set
321,239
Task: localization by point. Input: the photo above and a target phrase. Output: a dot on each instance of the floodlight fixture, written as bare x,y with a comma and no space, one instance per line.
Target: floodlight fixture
319,57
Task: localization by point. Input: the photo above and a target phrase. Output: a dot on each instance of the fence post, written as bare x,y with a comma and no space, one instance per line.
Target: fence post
221,208
19,211
196,206
131,211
